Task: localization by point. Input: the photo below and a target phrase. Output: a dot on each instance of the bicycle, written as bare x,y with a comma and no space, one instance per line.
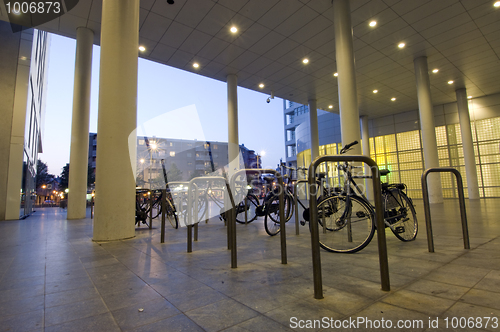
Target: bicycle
347,218
143,208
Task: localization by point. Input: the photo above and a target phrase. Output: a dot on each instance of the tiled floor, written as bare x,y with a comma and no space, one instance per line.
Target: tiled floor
54,278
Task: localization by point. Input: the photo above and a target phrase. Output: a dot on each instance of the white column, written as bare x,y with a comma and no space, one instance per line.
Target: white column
232,123
427,128
365,142
115,183
78,160
348,103
469,157
313,126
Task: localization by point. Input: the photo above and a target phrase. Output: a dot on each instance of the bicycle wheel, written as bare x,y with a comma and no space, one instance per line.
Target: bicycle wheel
272,218
171,215
403,219
249,205
288,208
348,224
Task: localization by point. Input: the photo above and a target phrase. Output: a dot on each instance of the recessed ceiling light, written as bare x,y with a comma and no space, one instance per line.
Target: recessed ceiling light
401,45
450,82
261,85
470,97
233,29
497,4
142,48
196,65
335,74
330,106
435,70
305,61
393,98
375,91
23,58
373,23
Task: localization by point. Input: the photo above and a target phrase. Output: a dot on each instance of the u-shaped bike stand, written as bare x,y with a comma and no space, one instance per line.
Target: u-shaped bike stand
379,218
232,216
427,209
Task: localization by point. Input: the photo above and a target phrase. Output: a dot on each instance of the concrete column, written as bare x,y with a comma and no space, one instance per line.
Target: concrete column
115,183
427,128
313,126
232,123
15,57
365,143
469,157
78,160
348,102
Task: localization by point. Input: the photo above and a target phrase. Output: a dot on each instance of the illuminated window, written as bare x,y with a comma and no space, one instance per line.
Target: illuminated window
172,153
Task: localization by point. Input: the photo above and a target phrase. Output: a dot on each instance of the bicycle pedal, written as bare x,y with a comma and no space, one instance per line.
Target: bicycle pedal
400,229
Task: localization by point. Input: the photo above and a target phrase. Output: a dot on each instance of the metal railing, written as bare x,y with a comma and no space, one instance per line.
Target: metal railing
461,200
379,218
232,218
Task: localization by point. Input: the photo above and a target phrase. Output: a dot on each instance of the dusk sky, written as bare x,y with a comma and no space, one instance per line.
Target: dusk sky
162,89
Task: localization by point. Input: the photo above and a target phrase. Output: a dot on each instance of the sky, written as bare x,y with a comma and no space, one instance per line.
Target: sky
162,91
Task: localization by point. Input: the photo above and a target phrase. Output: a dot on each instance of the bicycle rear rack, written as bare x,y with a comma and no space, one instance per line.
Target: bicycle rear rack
379,218
427,209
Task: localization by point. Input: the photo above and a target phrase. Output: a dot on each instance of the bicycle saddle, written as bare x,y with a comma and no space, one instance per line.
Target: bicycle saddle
384,172
269,178
321,175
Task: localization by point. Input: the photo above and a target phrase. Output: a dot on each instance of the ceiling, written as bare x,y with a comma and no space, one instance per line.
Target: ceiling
460,37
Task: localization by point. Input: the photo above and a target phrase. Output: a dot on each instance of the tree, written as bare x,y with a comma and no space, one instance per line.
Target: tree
174,174
64,177
42,174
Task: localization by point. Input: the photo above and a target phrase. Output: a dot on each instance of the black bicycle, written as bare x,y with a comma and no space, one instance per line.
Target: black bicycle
347,218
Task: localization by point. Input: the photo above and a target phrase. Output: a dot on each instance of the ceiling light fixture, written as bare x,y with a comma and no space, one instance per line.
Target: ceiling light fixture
261,85
305,61
330,106
142,48
233,29
401,45
373,23
450,82
196,65
393,98
375,91
435,70
470,97
497,4
335,74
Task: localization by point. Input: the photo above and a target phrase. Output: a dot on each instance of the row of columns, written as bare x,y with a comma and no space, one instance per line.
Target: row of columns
115,183
349,112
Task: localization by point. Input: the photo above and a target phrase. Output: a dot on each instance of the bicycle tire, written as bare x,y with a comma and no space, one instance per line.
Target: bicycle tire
349,224
272,218
251,204
405,227
171,215
288,208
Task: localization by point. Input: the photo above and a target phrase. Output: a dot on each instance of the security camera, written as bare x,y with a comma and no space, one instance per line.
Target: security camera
268,100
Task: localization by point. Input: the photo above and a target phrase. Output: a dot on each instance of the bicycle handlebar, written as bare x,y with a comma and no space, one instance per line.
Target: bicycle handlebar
347,147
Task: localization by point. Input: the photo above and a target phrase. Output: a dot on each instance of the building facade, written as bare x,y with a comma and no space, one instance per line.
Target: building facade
396,144
24,64
183,159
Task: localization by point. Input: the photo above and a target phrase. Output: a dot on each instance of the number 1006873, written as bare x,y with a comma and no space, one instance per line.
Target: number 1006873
35,7
471,322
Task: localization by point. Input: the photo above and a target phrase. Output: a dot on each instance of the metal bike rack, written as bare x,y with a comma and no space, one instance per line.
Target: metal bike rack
190,210
232,219
379,218
461,200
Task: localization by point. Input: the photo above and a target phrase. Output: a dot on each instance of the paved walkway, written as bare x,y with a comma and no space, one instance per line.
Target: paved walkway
54,278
